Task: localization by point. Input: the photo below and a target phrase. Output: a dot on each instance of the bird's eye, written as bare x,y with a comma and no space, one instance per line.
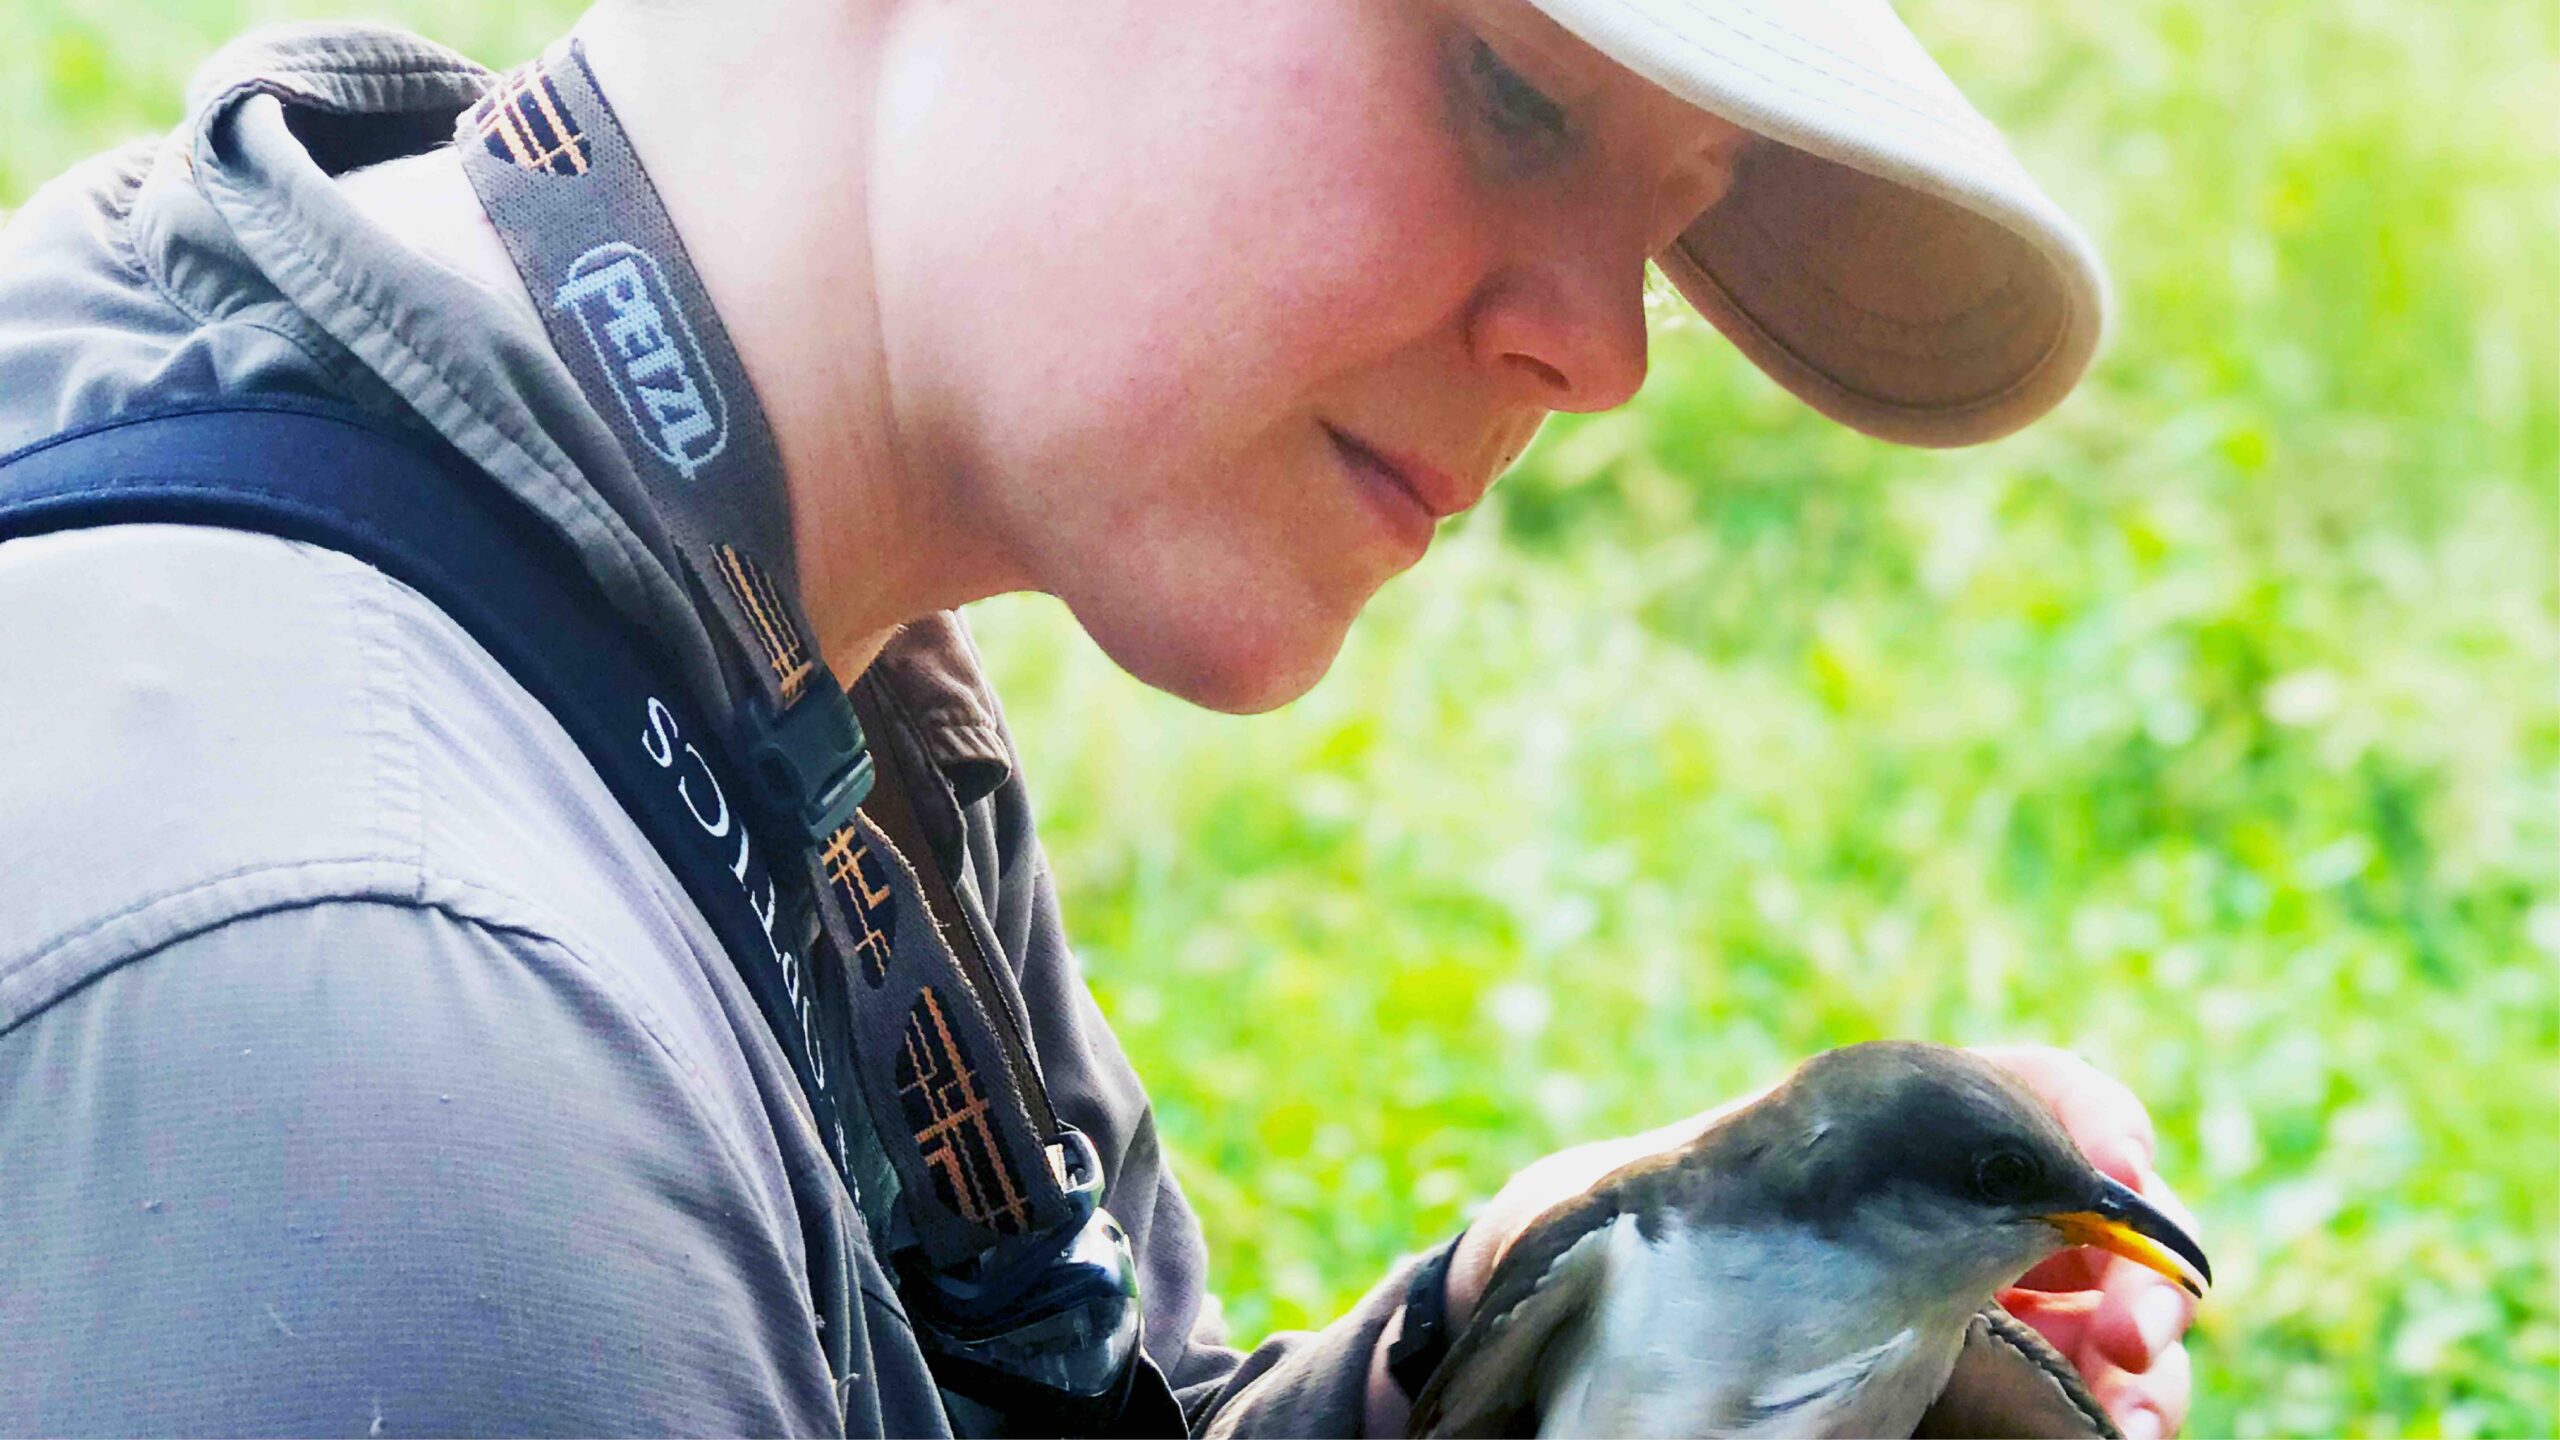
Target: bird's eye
2005,1177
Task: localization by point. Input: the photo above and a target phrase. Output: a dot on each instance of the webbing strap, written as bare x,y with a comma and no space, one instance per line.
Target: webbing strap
950,1078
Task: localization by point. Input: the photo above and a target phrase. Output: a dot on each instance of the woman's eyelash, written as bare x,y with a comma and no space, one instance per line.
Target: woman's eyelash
1517,109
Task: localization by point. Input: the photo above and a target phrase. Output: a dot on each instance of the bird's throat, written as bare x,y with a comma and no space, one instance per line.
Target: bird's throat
1748,1332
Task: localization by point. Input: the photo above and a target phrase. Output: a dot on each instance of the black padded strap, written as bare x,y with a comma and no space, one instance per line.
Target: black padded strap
1424,1341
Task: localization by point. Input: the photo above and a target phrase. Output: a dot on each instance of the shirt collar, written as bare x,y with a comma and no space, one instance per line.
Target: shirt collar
935,668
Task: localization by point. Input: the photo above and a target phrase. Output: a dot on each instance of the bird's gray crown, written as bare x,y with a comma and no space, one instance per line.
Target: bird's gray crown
1885,1120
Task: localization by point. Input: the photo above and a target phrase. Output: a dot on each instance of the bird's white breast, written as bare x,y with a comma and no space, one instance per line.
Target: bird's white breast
1747,1333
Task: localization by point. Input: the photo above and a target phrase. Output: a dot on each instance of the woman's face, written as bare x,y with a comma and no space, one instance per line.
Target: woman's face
1205,312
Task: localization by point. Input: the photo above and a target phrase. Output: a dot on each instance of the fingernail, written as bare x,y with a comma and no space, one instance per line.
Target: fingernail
2143,1424
2159,1316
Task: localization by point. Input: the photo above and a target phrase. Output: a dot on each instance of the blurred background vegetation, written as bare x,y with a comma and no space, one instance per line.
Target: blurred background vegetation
2211,728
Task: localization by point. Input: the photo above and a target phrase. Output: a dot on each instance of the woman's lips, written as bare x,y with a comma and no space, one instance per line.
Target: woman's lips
1414,496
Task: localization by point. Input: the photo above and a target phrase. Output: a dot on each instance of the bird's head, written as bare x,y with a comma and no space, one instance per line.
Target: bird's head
1900,1144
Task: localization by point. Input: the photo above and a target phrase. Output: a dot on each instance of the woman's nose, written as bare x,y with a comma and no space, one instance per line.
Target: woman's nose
1564,329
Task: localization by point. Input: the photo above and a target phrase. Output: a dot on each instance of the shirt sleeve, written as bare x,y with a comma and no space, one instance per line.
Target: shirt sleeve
367,1168
1309,1383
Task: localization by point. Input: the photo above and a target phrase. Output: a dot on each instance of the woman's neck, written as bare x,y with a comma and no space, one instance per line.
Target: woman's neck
777,233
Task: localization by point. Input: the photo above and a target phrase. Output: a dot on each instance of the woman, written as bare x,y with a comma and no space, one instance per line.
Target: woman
361,1066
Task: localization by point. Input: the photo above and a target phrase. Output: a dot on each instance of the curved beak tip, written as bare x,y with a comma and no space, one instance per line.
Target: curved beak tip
2123,1223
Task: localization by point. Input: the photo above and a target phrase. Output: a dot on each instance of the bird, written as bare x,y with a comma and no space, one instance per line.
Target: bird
1808,1265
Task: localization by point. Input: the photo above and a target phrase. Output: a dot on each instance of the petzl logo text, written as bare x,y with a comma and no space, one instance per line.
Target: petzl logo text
620,297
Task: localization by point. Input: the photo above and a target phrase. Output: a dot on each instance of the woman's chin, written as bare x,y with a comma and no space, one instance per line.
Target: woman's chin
1224,661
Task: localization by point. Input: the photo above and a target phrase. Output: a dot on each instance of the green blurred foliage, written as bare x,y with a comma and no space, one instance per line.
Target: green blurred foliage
2209,728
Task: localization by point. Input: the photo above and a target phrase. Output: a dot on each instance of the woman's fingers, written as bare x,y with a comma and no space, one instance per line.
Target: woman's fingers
2120,1324
2140,1315
2078,1268
2060,1316
2150,1403
2125,1342
2146,1400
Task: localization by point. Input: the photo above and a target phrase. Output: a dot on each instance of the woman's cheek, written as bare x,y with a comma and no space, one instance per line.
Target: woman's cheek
1398,249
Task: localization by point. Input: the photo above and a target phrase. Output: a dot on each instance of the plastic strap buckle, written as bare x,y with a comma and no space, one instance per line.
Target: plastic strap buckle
1044,1328
1074,1163
810,765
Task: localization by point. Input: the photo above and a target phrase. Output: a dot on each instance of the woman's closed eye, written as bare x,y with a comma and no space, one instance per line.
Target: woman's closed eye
1524,127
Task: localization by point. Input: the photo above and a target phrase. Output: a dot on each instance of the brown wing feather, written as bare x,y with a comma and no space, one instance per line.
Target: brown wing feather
1489,1383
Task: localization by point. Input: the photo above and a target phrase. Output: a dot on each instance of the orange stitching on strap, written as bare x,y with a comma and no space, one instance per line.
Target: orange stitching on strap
959,1114
499,119
781,639
569,136
503,114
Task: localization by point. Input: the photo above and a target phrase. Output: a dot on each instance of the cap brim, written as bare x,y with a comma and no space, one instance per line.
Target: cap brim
1887,260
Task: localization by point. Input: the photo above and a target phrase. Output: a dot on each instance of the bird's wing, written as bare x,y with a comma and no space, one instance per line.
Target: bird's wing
1809,1403
1547,1281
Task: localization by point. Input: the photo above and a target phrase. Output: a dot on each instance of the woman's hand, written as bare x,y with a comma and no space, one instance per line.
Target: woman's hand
2120,1324
2123,1326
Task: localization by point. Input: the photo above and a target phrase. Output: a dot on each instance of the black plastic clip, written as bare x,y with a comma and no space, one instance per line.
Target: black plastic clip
1043,1330
810,765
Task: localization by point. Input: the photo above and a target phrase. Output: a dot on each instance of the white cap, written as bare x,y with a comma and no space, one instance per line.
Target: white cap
1889,261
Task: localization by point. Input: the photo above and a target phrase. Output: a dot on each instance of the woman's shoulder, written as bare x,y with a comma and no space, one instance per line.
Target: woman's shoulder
338,1011
202,723
351,1163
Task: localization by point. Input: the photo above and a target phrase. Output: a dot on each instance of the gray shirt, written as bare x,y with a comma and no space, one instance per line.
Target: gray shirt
361,1067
